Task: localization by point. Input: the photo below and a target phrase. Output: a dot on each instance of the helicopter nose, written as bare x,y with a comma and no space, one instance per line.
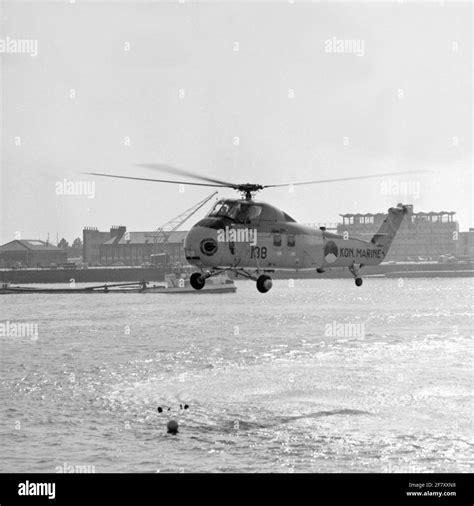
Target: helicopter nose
200,245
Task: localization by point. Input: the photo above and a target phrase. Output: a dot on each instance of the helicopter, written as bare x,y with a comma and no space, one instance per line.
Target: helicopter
253,239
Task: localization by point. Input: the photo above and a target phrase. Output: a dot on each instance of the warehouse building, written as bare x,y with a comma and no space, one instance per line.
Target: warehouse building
119,247
30,253
138,248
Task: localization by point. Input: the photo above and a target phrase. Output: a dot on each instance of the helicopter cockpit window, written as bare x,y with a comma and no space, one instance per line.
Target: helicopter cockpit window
236,211
226,210
216,209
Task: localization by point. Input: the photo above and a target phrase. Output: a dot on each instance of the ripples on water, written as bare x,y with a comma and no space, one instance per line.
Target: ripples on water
268,389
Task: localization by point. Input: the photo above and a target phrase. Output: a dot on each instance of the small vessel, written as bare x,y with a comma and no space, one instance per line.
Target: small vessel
172,284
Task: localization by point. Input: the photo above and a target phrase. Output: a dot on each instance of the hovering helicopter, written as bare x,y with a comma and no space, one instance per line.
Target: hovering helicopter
252,239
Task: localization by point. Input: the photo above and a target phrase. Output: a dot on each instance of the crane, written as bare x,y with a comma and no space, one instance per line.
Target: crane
162,234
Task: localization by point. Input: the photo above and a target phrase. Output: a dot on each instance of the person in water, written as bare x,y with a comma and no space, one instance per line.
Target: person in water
172,426
160,409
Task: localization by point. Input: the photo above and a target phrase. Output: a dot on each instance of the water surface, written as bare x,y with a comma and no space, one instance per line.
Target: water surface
269,388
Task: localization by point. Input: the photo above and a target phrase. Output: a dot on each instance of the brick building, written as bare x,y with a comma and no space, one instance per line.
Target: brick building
92,238
136,248
119,247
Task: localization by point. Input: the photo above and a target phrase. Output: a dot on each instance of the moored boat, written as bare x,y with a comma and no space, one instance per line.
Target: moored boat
172,284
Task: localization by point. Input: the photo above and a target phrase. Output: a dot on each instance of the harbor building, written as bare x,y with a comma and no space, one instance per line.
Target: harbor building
466,244
92,239
422,235
30,253
119,247
138,248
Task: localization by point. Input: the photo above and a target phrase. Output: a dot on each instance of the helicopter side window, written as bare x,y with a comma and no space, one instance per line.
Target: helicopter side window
254,212
249,214
233,211
290,240
277,240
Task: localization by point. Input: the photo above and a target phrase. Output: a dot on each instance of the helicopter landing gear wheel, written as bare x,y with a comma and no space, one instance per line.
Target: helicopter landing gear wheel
355,272
264,283
196,281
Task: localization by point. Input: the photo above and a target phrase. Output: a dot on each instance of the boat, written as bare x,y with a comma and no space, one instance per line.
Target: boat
172,284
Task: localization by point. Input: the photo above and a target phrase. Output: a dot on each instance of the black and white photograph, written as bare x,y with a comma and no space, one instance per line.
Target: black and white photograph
236,252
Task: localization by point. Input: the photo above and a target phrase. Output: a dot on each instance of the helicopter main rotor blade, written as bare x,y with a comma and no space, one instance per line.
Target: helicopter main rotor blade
346,178
156,180
245,188
181,172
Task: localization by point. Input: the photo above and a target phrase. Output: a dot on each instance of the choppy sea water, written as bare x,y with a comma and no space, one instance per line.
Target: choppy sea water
276,382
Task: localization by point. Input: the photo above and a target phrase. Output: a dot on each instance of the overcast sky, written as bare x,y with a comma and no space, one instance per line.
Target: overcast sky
241,91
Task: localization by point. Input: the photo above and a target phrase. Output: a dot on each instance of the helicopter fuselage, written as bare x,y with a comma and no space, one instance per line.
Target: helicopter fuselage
254,235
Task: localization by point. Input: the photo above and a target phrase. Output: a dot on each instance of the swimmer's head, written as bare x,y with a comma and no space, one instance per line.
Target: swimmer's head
172,427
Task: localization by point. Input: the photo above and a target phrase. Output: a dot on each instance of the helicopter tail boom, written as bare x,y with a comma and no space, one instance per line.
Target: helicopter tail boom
390,225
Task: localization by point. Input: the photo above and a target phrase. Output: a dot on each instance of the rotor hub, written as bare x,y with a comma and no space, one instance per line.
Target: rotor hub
248,189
